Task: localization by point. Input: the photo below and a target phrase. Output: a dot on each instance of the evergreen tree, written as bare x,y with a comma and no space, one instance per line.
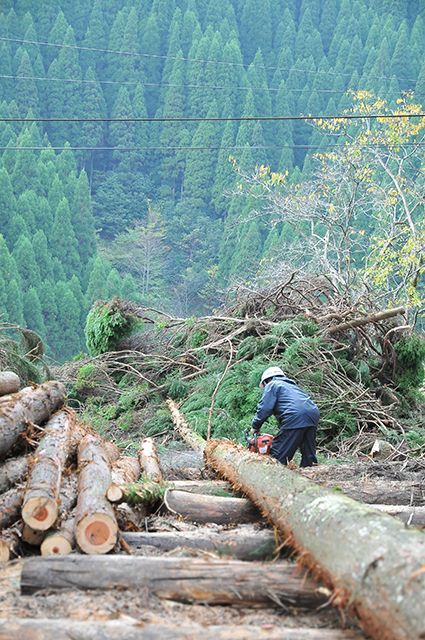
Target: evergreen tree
32,312
83,221
256,28
63,243
14,303
151,44
7,202
24,256
68,317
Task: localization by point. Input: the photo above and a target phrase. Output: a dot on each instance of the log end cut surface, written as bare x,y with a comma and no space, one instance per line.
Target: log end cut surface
40,513
55,545
96,533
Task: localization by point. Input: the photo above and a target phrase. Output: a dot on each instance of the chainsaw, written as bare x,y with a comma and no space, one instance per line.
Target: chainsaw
259,443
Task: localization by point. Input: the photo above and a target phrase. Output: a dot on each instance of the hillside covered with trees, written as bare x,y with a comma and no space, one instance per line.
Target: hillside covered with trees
166,213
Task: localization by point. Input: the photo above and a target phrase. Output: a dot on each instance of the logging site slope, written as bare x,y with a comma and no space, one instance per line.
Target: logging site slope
131,506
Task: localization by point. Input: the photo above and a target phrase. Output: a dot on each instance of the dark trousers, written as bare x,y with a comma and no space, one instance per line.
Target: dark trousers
288,441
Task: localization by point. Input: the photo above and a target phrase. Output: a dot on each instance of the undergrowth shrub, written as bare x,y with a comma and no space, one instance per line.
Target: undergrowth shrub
409,371
106,325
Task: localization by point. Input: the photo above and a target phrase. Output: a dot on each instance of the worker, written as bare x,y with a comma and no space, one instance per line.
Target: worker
296,414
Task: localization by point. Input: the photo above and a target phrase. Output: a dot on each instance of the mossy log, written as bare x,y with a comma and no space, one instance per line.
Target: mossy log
34,406
66,629
96,527
182,579
203,509
9,382
10,507
149,461
188,436
242,543
41,500
373,563
125,470
12,471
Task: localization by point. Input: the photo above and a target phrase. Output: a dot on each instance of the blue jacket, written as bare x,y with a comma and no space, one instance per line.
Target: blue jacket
291,406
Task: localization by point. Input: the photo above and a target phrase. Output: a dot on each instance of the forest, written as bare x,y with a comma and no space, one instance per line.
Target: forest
172,214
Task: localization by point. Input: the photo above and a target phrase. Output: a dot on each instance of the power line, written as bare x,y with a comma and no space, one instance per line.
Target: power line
172,119
197,60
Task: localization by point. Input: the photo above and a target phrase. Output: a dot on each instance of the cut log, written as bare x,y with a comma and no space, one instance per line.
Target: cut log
407,514
66,629
203,509
188,436
380,491
205,487
9,382
149,460
181,579
40,506
96,527
62,541
111,451
374,317
10,540
372,561
10,507
241,544
34,406
32,536
12,471
125,470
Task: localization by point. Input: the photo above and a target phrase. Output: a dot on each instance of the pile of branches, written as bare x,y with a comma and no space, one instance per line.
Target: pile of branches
344,354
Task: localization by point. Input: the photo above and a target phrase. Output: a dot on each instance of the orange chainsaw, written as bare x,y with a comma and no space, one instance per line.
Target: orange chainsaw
259,443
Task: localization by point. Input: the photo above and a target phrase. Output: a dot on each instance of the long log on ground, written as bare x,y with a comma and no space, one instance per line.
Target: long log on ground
125,470
241,543
203,509
9,382
149,461
41,500
204,487
10,540
408,515
10,507
371,560
180,579
96,527
379,491
188,436
50,629
34,406
12,471
374,317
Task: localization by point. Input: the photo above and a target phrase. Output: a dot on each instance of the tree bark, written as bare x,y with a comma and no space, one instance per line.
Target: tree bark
12,471
111,450
188,436
96,527
34,406
9,382
32,536
10,540
149,461
203,509
241,543
374,317
66,629
378,491
181,579
407,514
10,507
40,506
125,470
204,487
371,560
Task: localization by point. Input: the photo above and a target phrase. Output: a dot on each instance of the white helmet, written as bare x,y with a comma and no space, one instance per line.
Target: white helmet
271,372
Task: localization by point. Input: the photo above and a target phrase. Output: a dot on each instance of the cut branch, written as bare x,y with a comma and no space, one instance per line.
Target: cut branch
374,317
125,470
188,436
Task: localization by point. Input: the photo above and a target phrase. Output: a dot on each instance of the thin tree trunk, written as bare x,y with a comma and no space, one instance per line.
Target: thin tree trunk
182,579
188,436
62,541
10,507
203,509
40,506
372,561
205,487
96,527
374,317
12,471
149,460
379,491
125,470
34,406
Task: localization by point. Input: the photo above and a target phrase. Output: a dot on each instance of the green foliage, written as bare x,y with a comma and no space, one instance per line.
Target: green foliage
145,492
409,371
106,325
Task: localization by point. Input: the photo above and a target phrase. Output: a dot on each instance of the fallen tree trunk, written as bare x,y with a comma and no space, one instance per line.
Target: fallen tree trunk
371,560
241,544
10,540
188,436
181,579
111,450
125,470
12,471
374,317
407,514
380,491
40,506
10,507
149,461
204,487
96,527
34,406
62,541
66,629
9,382
203,509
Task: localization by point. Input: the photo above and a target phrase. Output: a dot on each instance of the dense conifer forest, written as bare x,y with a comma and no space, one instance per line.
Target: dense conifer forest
153,212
